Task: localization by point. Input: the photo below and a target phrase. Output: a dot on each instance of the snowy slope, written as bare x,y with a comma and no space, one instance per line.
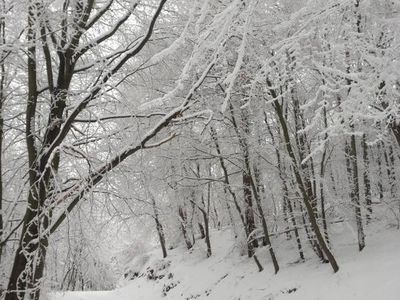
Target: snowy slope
372,274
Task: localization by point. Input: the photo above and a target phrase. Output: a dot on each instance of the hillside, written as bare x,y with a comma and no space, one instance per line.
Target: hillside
372,274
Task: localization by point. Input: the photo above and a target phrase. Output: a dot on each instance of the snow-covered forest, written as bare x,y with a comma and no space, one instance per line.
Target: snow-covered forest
205,149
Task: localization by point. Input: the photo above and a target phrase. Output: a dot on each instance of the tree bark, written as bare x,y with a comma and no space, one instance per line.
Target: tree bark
322,179
285,199
352,167
183,221
302,188
2,98
367,181
159,227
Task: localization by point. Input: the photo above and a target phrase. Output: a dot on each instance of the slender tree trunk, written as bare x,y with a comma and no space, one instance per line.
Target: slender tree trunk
243,217
286,201
204,212
286,217
228,208
183,221
302,188
355,188
307,168
323,215
311,238
296,231
202,232
2,95
333,181
322,179
264,223
389,160
228,187
367,181
257,180
22,271
206,217
301,141
216,220
380,173
161,237
249,213
207,234
159,227
246,177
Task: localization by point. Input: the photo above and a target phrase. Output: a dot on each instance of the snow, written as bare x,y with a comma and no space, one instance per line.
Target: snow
231,78
371,274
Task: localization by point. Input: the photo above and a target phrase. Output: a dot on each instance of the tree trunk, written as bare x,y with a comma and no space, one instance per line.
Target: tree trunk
161,237
43,151
351,153
322,179
202,232
367,181
380,173
183,221
206,228
248,211
389,160
285,199
159,227
2,95
246,179
264,223
302,188
227,185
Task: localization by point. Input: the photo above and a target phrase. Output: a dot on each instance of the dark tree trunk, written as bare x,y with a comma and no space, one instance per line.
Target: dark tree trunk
266,237
159,227
296,231
307,168
285,199
352,170
206,229
306,199
202,232
367,181
183,221
310,237
228,187
389,160
2,98
161,237
322,180
380,173
206,216
42,151
207,235
249,213
29,258
246,178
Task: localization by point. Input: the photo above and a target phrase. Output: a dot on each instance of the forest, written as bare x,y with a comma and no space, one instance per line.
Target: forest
268,129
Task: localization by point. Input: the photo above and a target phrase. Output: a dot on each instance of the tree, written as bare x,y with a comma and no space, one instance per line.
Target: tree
244,109
73,48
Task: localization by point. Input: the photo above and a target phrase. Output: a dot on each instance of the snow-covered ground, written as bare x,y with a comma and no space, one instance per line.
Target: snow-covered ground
372,274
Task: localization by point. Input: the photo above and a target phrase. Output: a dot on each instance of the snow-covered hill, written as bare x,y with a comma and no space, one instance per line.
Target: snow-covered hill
372,274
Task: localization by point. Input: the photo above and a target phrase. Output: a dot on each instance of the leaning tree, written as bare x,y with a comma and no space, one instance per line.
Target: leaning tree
77,55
